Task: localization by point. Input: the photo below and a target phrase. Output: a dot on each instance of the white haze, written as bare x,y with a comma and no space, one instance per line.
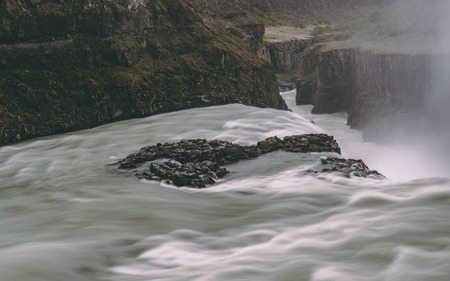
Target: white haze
426,24
436,133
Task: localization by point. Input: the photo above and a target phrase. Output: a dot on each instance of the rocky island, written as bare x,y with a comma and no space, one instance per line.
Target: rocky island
198,162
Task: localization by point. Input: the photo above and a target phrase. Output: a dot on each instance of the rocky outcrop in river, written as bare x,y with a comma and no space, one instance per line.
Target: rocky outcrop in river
69,65
344,167
197,162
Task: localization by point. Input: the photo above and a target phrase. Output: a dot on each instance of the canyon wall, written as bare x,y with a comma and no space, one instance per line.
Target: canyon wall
286,56
235,8
69,65
392,79
375,88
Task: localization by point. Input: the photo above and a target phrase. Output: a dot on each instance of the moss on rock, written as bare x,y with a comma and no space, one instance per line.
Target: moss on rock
133,61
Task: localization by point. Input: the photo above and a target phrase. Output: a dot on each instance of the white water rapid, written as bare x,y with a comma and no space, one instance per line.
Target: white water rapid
65,214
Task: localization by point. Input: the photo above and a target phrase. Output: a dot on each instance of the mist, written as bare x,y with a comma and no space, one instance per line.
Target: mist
420,139
436,118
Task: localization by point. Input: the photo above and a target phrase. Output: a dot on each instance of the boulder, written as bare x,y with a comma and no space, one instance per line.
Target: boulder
344,167
197,162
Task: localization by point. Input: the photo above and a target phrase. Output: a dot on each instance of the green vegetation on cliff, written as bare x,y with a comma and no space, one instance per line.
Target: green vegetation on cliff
99,63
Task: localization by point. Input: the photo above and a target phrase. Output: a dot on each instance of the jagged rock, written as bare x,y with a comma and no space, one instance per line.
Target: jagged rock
193,150
68,65
250,8
285,86
196,162
387,91
285,56
270,144
190,174
310,143
380,91
345,167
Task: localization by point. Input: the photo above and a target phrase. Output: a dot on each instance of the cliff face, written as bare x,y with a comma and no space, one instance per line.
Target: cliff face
393,79
234,8
373,87
68,65
325,79
286,56
388,86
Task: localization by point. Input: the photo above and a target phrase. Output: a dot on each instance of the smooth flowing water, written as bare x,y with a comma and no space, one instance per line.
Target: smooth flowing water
66,215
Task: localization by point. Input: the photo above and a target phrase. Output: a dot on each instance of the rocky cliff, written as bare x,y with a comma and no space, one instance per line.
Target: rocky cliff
325,79
377,89
282,53
67,65
285,56
340,79
392,80
249,8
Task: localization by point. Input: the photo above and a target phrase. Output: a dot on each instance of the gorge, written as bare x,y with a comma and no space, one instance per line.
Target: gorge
178,74
72,65
392,81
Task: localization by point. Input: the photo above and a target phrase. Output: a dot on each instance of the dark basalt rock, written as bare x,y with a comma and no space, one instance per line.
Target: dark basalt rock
189,174
285,86
196,162
68,65
345,167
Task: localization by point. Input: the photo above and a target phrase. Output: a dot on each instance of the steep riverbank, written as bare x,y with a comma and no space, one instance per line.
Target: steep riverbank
69,66
390,81
379,90
289,26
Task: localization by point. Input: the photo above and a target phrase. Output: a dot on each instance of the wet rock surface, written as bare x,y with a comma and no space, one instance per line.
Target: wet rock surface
70,65
345,167
197,162
192,174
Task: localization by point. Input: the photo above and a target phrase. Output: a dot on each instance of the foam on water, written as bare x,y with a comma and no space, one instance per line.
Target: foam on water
66,215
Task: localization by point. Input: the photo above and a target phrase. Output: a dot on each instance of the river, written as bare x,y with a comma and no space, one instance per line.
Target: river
66,215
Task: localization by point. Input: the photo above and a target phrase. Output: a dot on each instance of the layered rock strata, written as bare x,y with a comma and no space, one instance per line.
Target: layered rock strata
302,8
373,87
285,56
69,65
393,80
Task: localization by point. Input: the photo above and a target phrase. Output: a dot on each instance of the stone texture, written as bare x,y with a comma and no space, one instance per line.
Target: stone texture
344,167
375,88
286,56
196,162
69,65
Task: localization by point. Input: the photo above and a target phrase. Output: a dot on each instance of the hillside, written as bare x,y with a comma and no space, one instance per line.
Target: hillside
288,12
68,65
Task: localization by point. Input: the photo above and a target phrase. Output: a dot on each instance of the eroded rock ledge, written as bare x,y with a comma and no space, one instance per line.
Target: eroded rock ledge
197,162
69,65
